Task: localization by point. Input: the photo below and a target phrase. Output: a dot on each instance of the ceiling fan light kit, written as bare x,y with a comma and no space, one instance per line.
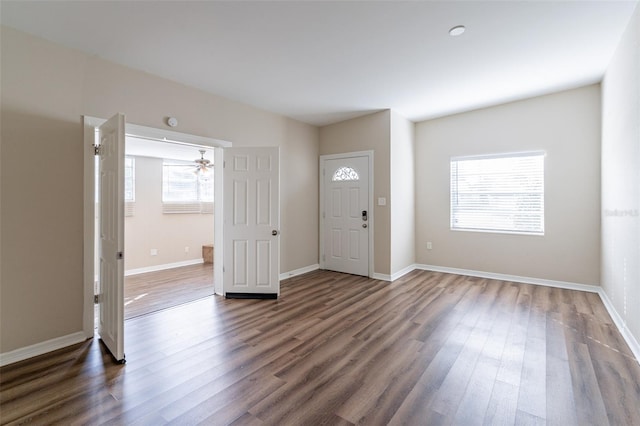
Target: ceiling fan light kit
202,164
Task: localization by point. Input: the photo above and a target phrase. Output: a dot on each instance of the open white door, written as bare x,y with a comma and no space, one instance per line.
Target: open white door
251,227
111,296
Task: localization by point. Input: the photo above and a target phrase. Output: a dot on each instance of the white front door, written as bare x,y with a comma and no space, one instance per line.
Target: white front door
251,222
346,215
111,187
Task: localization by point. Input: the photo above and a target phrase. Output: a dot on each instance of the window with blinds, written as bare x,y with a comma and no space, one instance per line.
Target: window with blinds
129,186
184,191
501,193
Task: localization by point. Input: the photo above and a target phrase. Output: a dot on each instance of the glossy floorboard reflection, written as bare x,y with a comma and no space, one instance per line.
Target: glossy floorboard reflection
154,291
337,349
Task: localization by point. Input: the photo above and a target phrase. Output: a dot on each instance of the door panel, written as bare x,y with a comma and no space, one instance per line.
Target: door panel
336,206
241,203
346,196
263,262
111,296
354,244
252,204
354,203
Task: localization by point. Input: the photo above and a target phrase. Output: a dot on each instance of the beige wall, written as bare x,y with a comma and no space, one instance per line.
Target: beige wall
370,132
150,229
45,90
402,193
567,126
621,178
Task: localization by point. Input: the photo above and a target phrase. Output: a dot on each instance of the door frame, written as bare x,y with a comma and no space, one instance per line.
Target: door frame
89,125
323,159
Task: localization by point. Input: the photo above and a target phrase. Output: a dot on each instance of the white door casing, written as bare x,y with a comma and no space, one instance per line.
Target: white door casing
346,214
111,296
90,126
251,222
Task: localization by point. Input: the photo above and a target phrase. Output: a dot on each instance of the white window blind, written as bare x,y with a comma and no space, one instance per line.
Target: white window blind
179,183
129,179
184,191
502,193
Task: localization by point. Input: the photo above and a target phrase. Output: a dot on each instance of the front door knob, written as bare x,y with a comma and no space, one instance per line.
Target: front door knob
364,225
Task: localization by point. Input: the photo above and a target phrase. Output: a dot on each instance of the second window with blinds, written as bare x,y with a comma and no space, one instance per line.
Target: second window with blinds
498,193
184,190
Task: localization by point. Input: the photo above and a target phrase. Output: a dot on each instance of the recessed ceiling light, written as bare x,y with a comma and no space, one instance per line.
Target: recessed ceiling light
457,30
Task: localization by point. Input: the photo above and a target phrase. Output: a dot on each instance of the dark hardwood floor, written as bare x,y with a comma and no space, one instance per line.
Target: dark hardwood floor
154,291
337,349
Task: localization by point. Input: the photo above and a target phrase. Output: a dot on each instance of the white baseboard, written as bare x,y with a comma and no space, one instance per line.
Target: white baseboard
299,271
591,288
397,275
162,267
621,324
381,277
41,348
401,273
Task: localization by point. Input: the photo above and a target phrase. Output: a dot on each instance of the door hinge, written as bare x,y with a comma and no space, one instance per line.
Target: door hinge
323,172
224,164
97,150
323,216
96,299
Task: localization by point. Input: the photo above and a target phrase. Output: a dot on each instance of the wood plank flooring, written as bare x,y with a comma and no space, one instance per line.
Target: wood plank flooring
337,349
154,291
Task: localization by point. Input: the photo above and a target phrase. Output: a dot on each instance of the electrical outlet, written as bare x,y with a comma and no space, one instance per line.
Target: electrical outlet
429,245
186,249
154,252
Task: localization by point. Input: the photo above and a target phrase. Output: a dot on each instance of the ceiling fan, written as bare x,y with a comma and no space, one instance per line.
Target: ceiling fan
202,164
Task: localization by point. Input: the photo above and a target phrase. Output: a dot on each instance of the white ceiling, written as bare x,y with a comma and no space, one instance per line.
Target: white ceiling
322,62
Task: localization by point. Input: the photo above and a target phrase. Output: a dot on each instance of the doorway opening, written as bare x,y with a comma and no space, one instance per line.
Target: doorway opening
170,229
168,224
180,270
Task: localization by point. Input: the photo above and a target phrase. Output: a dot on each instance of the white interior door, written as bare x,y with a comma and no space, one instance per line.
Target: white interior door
111,188
251,226
346,215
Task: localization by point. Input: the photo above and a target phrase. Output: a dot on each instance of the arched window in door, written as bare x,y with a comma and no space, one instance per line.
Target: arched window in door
345,174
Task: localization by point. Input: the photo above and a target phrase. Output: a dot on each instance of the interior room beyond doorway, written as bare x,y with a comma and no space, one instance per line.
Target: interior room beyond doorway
169,225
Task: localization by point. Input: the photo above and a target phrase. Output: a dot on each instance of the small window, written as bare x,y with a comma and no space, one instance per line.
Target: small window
129,186
129,179
184,190
345,174
503,193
